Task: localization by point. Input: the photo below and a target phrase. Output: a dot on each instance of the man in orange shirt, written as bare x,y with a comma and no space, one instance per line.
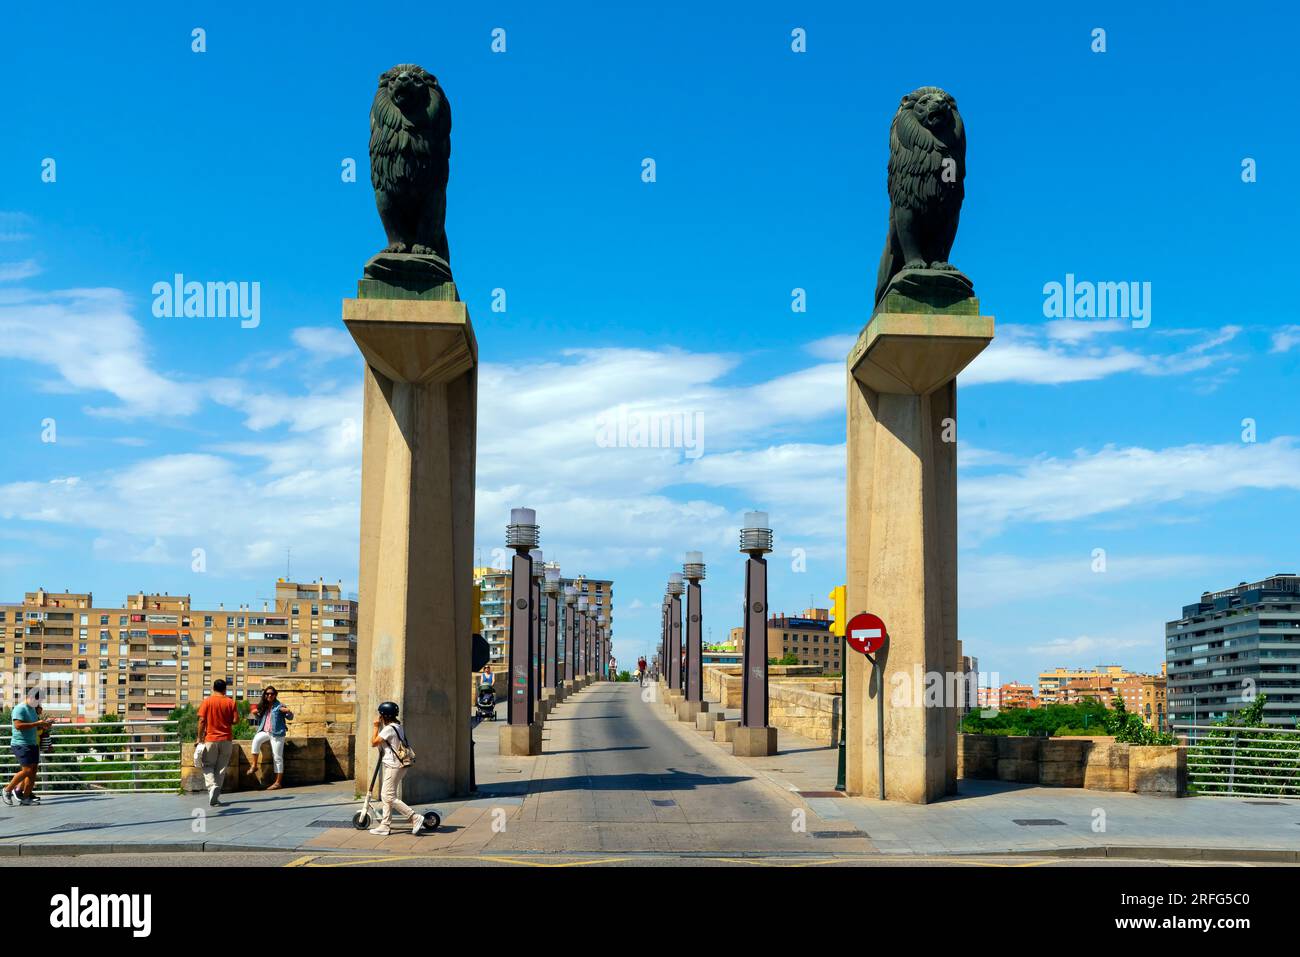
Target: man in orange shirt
217,716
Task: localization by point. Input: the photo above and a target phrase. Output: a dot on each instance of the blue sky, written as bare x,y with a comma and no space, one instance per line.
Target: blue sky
670,297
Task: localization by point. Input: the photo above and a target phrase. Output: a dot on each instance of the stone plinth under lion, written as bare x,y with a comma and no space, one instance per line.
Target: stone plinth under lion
902,529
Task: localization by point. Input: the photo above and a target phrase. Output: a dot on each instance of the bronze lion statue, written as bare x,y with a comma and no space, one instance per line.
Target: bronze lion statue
927,170
410,146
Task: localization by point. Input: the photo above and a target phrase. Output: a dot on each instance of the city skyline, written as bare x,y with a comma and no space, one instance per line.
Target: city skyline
1111,469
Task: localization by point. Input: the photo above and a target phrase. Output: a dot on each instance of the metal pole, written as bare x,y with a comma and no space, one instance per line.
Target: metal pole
877,677
521,640
841,782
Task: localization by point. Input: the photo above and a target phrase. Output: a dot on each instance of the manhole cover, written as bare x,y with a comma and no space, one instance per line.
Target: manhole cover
820,794
1038,822
664,803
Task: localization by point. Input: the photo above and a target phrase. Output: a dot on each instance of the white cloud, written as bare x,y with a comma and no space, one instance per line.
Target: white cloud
1286,338
13,272
327,342
1111,479
90,339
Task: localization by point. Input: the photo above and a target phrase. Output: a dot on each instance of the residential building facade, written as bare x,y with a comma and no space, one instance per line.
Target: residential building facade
1233,645
156,652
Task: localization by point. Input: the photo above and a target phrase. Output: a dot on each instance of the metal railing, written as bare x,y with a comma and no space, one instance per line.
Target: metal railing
126,756
1226,761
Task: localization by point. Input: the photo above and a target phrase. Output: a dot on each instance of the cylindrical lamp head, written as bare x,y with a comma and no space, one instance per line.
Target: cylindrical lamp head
582,603
570,594
756,536
551,584
675,583
693,567
538,564
523,532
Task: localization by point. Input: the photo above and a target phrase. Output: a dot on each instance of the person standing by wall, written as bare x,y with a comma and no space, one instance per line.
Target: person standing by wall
272,728
217,716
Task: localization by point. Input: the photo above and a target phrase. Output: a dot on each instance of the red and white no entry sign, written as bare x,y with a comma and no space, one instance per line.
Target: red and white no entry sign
866,633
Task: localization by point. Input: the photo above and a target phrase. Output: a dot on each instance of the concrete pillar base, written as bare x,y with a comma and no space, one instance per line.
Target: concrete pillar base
753,742
706,721
901,527
518,739
542,709
550,696
689,710
725,729
417,530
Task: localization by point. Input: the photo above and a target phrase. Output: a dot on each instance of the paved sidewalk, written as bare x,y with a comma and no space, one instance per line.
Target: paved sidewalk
250,820
982,818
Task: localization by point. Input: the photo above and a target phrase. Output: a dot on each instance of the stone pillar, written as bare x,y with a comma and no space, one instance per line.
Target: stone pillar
902,530
417,530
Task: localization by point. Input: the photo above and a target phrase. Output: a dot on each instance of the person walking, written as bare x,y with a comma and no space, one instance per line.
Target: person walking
217,716
640,670
388,738
272,718
26,746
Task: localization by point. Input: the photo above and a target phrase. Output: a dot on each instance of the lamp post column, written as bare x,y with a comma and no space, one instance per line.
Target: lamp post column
754,738
570,636
521,734
694,704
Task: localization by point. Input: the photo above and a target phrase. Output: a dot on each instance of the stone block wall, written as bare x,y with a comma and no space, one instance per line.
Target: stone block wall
1095,763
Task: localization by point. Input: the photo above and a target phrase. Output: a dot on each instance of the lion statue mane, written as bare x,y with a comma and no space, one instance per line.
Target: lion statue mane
927,170
410,145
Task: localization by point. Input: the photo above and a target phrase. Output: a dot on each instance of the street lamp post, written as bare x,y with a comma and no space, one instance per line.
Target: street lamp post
551,589
693,570
570,635
521,734
536,573
753,737
602,647
675,632
583,652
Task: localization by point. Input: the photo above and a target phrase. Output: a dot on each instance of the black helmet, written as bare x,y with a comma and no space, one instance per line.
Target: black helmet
388,709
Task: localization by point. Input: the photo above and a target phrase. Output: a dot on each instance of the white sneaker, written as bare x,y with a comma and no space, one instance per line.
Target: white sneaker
417,824
8,797
380,831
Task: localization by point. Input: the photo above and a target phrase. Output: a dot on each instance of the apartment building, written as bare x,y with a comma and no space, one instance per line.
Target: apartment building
808,637
155,652
1233,645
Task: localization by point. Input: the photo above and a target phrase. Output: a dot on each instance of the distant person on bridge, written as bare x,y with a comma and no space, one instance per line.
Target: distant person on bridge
640,670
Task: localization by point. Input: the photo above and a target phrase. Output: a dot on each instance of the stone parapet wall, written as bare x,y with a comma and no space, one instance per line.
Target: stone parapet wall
798,699
1095,763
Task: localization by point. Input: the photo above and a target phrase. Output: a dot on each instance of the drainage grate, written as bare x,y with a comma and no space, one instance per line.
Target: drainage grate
333,823
850,833
1038,822
1279,803
820,794
85,826
664,803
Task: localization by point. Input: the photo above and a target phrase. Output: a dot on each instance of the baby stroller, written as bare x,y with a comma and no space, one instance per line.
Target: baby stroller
485,707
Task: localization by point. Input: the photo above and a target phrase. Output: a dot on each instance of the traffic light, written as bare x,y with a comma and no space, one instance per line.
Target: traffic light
839,597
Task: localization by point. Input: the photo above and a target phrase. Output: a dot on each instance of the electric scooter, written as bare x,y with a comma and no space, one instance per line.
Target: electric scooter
362,819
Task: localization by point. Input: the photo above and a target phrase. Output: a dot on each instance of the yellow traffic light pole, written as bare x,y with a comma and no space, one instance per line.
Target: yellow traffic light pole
839,622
